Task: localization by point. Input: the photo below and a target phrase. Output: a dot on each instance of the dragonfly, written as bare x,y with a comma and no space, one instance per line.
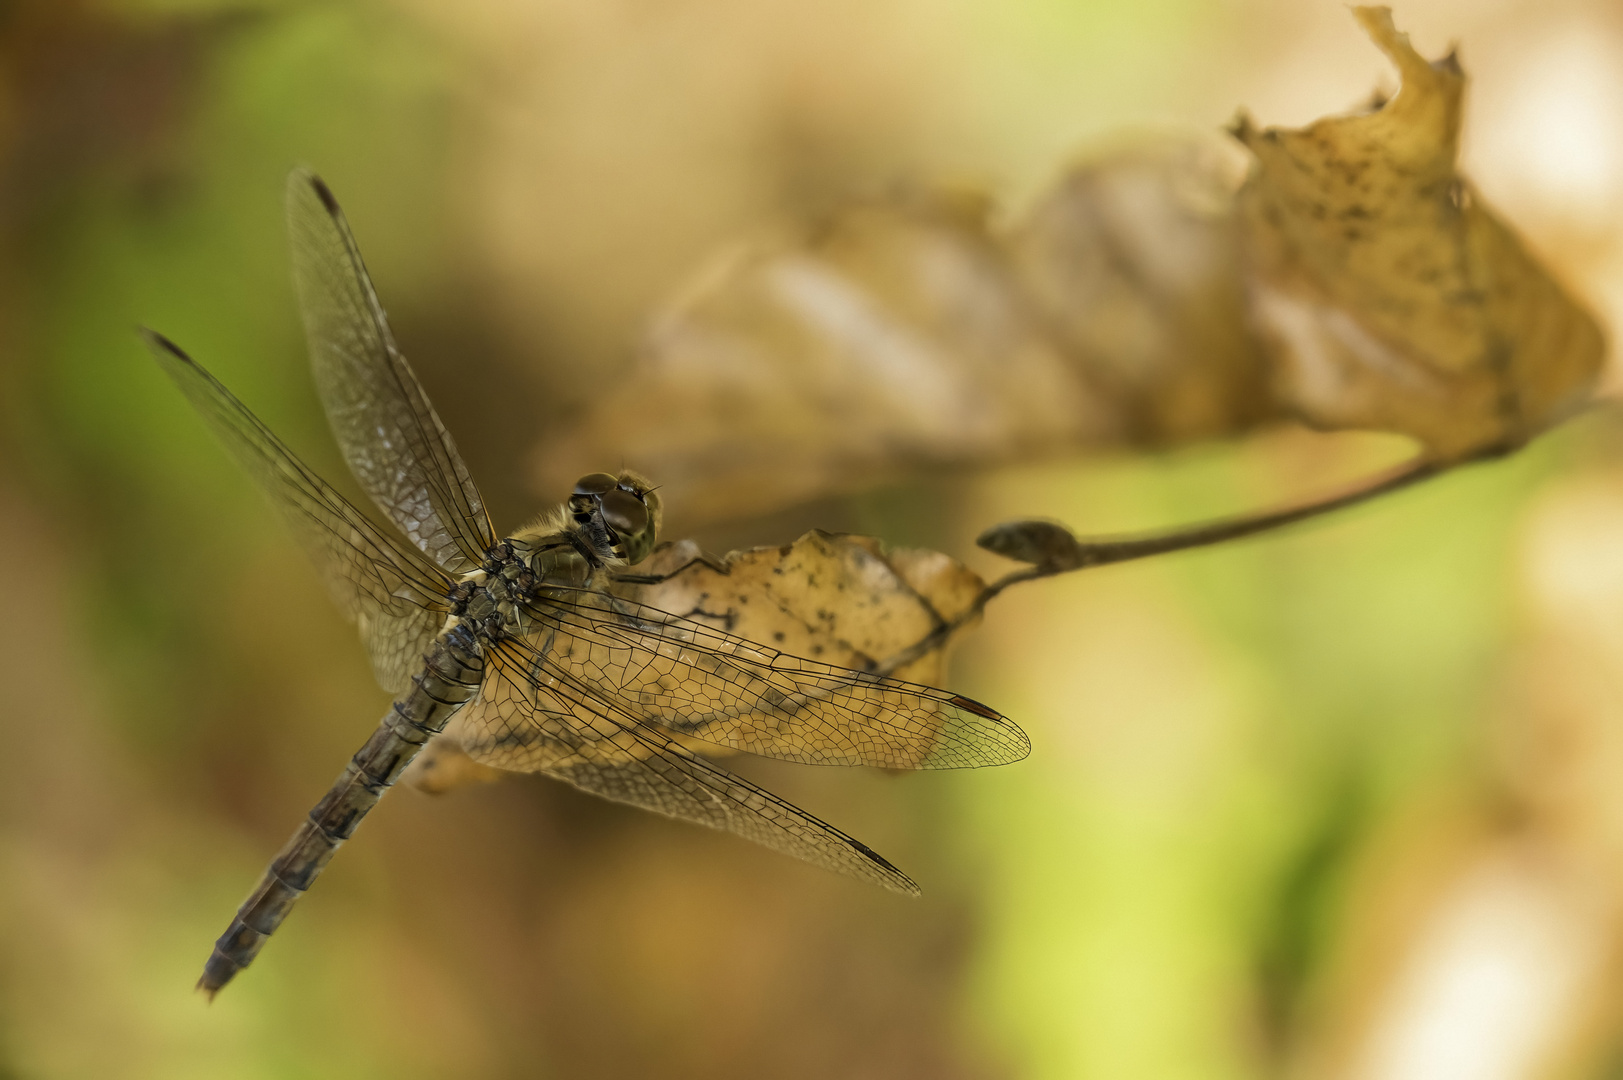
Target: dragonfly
516,642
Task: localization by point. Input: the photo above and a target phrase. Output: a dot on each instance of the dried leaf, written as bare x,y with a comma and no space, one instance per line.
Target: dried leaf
1356,281
442,766
891,340
1132,260
839,599
941,581
912,335
1397,299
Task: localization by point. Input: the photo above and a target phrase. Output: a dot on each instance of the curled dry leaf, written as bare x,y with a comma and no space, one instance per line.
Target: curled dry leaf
1397,300
892,339
1131,262
913,335
1355,281
441,766
839,599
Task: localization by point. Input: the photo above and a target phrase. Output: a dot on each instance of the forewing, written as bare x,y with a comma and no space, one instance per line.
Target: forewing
695,680
394,594
525,721
391,437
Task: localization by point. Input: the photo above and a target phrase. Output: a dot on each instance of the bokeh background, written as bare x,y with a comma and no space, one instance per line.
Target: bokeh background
1342,802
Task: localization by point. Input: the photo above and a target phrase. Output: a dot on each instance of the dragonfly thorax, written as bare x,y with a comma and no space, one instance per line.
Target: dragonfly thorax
608,521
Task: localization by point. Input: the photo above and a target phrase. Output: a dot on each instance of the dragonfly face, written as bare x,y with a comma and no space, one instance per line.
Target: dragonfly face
619,513
514,648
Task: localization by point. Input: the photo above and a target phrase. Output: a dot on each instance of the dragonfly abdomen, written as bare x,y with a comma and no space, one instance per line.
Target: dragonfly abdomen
451,674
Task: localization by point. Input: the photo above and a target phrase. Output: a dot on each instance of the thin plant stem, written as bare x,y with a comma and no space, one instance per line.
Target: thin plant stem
1102,551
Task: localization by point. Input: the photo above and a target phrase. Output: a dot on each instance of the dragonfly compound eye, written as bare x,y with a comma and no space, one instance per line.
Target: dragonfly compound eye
624,513
595,484
632,523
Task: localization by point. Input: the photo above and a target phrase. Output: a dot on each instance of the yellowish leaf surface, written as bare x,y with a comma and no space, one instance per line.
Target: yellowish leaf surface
839,599
442,766
1396,299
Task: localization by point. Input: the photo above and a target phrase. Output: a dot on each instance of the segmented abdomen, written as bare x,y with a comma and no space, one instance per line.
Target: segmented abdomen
451,674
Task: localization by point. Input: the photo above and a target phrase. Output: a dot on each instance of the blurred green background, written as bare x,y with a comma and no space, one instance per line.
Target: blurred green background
1332,803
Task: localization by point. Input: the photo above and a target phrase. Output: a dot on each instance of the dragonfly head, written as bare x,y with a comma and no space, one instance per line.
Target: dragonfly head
623,510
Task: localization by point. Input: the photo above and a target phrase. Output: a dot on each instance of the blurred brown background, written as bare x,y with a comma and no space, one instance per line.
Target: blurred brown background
1342,802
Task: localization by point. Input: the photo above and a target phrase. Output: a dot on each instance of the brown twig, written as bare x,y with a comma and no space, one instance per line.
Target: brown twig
1064,552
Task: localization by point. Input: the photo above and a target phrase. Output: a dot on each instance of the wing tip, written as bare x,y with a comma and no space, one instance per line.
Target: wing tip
163,346
304,177
1017,741
328,200
892,878
971,705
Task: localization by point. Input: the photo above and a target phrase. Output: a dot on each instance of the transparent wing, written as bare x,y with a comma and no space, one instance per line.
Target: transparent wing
524,723
394,594
391,437
397,640
692,679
